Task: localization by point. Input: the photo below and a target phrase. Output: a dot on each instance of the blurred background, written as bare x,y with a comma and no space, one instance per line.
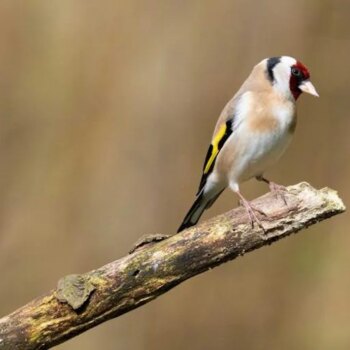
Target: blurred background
106,111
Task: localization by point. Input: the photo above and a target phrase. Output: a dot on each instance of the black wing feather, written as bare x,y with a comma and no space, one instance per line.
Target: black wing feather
220,144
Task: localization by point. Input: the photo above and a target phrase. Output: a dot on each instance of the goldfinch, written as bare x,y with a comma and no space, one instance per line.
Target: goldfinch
252,132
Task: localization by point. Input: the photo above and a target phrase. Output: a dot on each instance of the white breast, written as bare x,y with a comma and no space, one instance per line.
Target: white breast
257,150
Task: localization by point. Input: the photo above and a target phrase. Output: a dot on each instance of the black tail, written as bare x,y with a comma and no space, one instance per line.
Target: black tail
194,213
200,204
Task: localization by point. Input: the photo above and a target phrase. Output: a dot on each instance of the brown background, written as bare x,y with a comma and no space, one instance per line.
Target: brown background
107,108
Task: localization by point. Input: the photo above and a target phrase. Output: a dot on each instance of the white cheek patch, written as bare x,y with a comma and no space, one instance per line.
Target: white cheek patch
282,76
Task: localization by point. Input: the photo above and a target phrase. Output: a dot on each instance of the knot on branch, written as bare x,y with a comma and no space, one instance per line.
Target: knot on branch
148,240
74,290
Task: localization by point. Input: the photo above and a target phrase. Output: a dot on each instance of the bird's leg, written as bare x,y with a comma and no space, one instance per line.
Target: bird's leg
254,207
251,211
278,190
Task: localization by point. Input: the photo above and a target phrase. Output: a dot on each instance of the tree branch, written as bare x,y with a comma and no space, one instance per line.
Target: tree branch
83,301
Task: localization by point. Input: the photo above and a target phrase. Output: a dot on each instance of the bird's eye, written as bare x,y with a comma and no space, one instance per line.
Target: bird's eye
296,72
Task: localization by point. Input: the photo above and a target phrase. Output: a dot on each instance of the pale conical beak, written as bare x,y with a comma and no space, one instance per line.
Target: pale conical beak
307,87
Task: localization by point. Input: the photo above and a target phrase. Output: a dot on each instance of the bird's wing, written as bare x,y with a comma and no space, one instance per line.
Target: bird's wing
220,137
228,122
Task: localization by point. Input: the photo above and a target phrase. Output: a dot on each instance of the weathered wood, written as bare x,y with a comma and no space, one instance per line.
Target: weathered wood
83,301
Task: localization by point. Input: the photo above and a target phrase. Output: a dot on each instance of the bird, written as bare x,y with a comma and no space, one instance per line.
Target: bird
253,131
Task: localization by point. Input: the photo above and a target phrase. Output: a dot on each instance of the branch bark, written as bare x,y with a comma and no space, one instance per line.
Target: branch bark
81,302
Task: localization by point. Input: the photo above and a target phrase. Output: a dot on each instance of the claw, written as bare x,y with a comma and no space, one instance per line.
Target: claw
252,206
278,190
251,212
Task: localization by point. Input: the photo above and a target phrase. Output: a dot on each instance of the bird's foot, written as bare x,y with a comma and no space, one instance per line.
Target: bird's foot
279,191
251,209
254,207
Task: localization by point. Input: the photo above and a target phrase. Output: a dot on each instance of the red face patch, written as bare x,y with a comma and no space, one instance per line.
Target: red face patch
303,69
299,73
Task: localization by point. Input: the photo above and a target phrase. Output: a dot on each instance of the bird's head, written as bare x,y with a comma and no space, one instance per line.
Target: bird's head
289,76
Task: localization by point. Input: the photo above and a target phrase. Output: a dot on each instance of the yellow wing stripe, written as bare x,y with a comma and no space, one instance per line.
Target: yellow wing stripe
215,147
